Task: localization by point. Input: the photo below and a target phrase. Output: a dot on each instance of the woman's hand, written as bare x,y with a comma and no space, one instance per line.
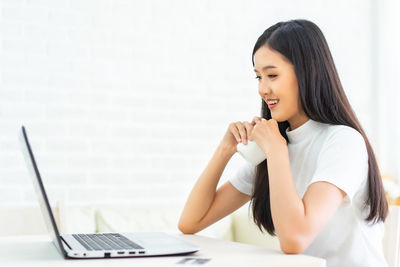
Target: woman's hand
239,132
267,136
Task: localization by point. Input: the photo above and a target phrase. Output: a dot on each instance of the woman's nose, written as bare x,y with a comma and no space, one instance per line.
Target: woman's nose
264,89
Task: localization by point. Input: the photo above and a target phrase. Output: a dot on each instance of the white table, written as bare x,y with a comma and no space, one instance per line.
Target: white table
39,251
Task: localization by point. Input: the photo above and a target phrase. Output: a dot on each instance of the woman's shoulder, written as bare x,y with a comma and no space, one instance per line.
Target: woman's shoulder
340,129
342,135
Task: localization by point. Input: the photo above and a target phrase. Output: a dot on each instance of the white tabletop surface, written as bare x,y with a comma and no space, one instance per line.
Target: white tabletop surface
39,251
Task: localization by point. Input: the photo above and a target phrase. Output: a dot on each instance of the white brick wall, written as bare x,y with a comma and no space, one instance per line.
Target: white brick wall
126,101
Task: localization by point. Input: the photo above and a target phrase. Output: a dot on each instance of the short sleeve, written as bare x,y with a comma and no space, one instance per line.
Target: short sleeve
343,161
244,178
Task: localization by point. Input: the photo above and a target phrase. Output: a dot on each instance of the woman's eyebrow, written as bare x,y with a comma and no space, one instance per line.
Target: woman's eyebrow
266,67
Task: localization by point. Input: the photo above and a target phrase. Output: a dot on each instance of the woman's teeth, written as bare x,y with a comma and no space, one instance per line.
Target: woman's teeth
272,102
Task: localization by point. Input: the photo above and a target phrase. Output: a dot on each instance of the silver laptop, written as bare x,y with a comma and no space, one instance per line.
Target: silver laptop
104,245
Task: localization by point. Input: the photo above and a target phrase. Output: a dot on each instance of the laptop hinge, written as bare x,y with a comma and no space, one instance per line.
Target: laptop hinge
65,242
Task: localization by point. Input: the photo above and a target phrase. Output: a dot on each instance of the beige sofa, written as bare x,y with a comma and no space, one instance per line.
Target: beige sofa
237,227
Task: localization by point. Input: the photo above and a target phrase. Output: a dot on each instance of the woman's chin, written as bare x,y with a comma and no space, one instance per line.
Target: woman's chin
277,118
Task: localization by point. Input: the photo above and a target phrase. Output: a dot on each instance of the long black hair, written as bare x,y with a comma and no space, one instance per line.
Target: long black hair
323,100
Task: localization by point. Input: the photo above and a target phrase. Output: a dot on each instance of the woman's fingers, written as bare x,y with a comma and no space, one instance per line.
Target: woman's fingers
242,132
255,120
249,127
235,132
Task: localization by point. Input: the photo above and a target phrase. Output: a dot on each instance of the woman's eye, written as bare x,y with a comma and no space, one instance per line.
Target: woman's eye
258,77
272,76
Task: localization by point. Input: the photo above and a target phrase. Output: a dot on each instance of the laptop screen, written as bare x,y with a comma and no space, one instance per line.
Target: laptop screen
40,191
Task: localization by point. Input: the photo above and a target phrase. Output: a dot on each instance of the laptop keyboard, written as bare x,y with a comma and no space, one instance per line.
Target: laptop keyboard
110,241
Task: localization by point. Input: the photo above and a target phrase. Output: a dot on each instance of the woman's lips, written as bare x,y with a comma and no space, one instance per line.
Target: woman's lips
270,101
272,106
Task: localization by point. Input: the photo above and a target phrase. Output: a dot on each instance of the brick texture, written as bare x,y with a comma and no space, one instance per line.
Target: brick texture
125,101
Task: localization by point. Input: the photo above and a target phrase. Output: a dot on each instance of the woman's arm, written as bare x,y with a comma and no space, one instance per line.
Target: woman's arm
205,205
297,221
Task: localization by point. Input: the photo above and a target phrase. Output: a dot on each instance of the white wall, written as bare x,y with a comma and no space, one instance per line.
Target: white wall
386,86
126,101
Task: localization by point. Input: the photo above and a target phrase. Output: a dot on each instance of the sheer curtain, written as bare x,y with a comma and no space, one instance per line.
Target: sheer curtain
385,106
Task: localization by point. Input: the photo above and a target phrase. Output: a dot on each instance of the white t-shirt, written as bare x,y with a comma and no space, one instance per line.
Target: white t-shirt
336,154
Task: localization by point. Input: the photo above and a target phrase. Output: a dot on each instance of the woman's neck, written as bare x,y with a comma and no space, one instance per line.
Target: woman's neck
297,121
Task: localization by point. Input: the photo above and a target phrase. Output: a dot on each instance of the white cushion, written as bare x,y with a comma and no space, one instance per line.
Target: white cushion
244,230
132,219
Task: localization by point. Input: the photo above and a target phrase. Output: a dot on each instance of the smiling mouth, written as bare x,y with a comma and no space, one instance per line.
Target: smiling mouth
272,103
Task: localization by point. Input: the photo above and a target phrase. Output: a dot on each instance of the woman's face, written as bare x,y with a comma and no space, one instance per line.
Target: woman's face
277,86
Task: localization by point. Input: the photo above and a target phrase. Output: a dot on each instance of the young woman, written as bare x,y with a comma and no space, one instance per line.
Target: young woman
319,189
